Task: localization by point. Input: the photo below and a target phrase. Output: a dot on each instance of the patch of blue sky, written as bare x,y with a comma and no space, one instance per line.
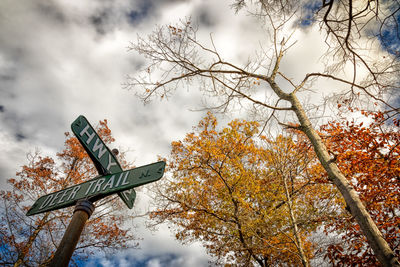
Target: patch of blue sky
165,260
137,15
308,12
389,33
390,37
76,261
6,249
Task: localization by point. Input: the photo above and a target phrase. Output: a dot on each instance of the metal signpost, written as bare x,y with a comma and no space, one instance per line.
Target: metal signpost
112,180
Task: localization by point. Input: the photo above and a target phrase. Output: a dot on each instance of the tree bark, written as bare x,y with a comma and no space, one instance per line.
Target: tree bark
375,239
299,244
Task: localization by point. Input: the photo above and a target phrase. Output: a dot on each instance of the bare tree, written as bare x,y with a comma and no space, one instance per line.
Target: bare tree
177,58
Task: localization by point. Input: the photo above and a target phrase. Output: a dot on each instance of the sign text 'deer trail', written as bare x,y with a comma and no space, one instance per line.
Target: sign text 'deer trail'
99,187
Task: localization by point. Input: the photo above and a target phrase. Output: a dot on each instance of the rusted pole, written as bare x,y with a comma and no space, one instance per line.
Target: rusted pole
82,212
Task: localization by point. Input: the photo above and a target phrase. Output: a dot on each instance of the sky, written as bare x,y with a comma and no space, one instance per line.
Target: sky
60,59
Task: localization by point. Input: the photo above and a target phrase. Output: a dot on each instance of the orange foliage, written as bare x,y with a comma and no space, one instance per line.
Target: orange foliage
226,191
368,154
33,240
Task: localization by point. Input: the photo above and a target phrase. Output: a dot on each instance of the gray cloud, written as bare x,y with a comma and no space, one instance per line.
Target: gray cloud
61,59
154,252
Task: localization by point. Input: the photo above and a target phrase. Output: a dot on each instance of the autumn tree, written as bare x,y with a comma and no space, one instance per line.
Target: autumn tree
248,199
32,241
355,33
368,153
310,201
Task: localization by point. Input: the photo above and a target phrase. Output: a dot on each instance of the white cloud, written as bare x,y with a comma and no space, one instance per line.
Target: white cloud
60,59
157,249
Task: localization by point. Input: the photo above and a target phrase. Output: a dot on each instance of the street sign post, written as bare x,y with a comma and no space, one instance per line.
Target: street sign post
112,180
104,160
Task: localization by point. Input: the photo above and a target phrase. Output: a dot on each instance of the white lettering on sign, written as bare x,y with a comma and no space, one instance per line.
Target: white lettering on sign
90,186
97,187
46,202
63,195
122,177
98,145
74,191
54,198
110,183
119,180
60,197
110,162
85,131
125,182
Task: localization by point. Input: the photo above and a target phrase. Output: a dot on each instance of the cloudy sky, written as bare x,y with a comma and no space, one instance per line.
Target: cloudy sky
60,59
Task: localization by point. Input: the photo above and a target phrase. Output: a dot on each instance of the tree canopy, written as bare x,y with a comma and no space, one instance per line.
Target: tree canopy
361,67
248,199
33,240
368,153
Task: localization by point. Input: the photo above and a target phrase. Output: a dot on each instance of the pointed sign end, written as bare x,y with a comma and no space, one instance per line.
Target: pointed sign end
29,213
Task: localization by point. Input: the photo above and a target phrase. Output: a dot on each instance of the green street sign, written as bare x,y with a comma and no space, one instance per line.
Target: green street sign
103,159
99,187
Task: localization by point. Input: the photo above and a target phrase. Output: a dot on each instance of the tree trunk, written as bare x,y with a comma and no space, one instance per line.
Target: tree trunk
298,242
375,239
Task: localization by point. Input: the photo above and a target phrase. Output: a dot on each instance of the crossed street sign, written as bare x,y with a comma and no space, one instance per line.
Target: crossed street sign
112,180
103,159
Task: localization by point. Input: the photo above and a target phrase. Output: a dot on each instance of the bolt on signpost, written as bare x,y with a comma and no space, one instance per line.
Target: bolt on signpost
112,180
